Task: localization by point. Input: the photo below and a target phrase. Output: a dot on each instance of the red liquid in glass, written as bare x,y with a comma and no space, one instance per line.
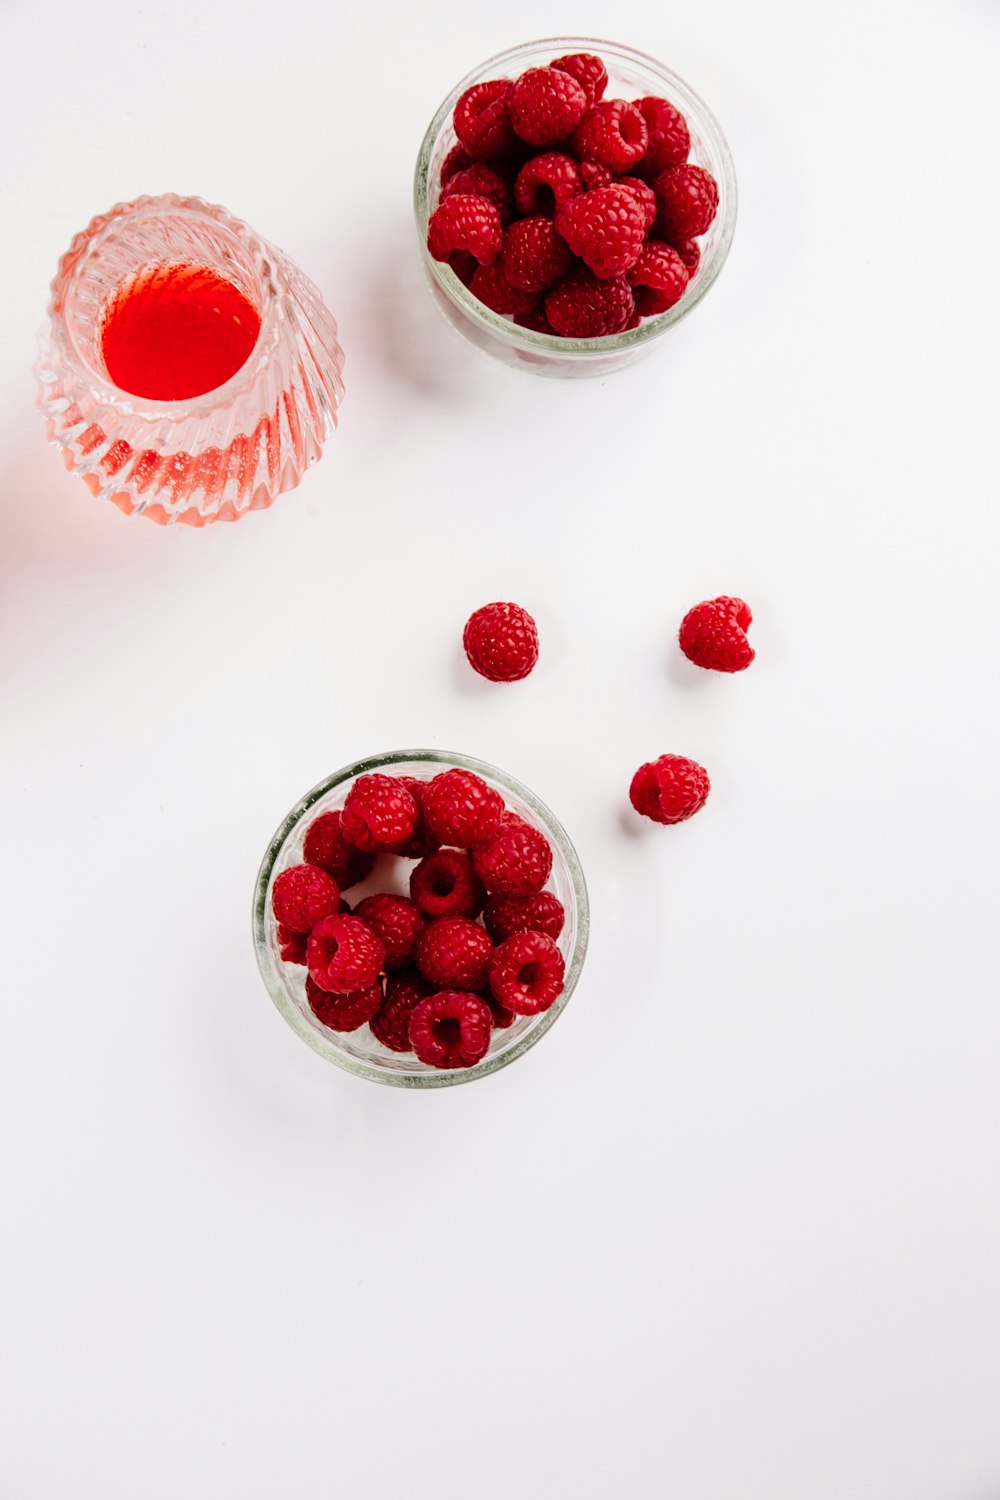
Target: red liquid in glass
176,331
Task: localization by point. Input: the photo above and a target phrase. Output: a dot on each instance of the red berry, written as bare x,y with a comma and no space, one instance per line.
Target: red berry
605,227
517,862
612,133
391,1022
536,321
454,953
688,197
302,895
423,841
588,70
502,1017
690,253
493,289
534,256
527,973
292,945
485,181
464,265
669,789
546,182
545,105
505,915
456,161
501,642
460,808
669,139
450,1029
466,222
344,955
326,846
343,1012
446,885
713,635
585,306
660,270
644,196
396,923
594,174
633,321
482,118
379,814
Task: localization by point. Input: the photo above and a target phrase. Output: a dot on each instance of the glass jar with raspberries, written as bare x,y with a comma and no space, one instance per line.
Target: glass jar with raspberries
574,199
420,918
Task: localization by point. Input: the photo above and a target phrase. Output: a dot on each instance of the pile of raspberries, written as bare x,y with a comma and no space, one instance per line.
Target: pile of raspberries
570,213
472,947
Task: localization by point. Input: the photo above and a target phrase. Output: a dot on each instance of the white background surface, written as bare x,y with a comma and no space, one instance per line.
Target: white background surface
731,1232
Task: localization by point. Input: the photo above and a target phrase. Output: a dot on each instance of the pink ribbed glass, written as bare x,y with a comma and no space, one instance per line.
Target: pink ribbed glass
205,458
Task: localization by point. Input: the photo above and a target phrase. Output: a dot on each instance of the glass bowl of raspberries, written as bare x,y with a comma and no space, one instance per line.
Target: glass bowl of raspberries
420,918
574,200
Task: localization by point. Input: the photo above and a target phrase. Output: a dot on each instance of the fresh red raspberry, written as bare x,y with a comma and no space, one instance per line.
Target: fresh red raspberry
588,70
493,289
501,642
326,846
460,808
464,266
669,139
661,270
536,321
527,973
465,221
396,923
302,895
482,118
455,953
688,197
690,253
546,182
379,814
613,133
669,789
633,321
423,841
391,1022
343,1012
645,197
505,915
456,161
594,174
502,1017
713,635
585,306
446,885
486,181
534,256
605,227
517,862
450,1029
545,105
344,955
292,945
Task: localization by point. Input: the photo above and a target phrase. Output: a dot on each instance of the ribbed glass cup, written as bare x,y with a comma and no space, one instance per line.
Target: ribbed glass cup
204,458
359,1051
631,75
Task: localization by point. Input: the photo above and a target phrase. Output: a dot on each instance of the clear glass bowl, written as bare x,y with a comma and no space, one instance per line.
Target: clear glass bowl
631,75
359,1051
205,458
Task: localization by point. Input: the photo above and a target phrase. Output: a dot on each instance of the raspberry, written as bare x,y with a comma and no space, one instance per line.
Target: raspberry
461,809
588,70
669,789
534,256
423,841
688,197
454,953
644,196
690,253
485,181
292,945
669,139
344,955
633,321
593,174
605,228
713,635
456,161
493,289
545,105
517,862
586,307
446,885
536,321
482,118
343,1012
505,915
396,923
326,847
661,270
612,133
379,813
465,221
546,182
302,895
501,642
391,1022
464,265
502,1017
527,973
450,1029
